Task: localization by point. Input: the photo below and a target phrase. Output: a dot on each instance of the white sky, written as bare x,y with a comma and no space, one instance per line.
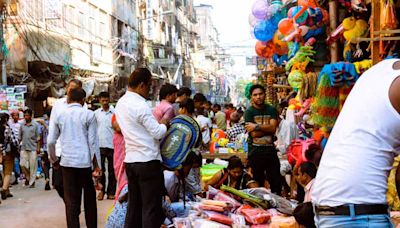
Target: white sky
230,17
231,20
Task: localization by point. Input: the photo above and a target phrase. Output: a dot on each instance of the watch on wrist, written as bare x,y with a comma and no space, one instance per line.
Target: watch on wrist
257,128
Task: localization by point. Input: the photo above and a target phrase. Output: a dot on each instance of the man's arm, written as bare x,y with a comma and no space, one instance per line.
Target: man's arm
93,139
259,130
394,93
155,129
38,137
54,133
169,114
20,133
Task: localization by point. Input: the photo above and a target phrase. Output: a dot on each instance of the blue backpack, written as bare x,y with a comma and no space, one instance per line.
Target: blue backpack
183,135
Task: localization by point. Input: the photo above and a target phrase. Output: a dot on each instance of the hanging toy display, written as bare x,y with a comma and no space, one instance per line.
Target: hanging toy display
326,104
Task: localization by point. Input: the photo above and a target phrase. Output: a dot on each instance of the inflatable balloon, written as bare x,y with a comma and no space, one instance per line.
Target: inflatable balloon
295,78
308,3
300,15
264,31
260,8
281,47
253,20
325,15
265,49
286,26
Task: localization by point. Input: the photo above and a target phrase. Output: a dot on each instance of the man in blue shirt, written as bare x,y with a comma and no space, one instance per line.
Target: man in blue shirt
77,129
106,133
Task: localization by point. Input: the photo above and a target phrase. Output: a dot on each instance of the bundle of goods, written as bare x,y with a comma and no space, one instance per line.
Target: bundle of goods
251,209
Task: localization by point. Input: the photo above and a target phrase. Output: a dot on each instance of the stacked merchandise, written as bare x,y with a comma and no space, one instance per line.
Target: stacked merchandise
232,208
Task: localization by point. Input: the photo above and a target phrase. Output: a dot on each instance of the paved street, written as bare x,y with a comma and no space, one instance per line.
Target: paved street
42,209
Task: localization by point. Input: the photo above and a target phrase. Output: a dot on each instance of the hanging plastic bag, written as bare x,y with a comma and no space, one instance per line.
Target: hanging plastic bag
388,15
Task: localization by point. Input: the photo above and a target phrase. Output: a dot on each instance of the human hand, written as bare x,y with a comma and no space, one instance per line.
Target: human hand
250,127
165,122
56,165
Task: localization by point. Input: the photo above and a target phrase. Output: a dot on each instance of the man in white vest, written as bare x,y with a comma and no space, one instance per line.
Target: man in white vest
351,183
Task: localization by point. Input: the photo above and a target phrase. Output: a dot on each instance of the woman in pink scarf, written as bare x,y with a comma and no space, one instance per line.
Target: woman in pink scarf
118,213
119,156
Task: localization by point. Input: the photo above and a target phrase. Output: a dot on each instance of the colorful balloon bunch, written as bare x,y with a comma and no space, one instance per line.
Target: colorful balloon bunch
275,25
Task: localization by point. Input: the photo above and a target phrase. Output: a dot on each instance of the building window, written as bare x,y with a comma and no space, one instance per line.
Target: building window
103,30
92,22
82,24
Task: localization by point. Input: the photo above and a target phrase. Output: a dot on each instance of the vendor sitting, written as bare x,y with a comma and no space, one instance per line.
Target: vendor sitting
234,176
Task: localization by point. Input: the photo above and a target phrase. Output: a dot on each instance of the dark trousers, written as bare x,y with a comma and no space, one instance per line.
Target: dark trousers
74,180
107,153
145,192
46,165
57,180
266,166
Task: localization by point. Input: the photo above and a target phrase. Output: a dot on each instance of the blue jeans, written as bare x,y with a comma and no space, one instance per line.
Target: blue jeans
353,221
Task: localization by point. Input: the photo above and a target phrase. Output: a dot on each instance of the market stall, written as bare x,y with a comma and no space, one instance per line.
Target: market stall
312,53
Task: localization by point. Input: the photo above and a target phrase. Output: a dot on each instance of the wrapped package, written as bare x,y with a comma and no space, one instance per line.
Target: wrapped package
207,207
238,220
226,198
254,215
182,222
284,222
281,204
217,217
204,223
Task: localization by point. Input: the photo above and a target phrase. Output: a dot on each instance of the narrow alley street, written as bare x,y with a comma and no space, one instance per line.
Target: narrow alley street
35,207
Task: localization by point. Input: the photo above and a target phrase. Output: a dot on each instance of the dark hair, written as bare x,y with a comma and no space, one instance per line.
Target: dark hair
235,162
230,105
188,105
104,95
77,95
183,91
209,103
309,168
256,86
311,151
138,76
199,97
3,118
192,158
76,81
28,111
166,90
217,106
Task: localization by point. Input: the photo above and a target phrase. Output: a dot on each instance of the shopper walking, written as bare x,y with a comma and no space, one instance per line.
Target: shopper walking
7,140
59,107
142,133
106,133
15,125
29,136
77,129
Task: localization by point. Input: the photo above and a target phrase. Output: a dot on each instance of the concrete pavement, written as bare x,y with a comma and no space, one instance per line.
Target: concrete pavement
37,208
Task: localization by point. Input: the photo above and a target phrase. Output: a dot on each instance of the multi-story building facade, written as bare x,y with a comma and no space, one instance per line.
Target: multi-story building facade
169,33
210,58
51,41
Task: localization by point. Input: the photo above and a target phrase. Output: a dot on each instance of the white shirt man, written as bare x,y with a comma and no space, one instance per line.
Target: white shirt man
141,130
142,133
205,125
360,150
104,127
